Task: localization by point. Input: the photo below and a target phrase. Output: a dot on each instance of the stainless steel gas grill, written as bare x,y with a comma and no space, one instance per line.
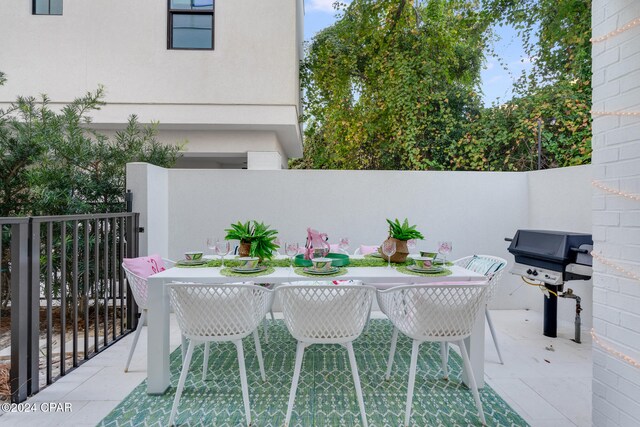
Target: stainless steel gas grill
549,259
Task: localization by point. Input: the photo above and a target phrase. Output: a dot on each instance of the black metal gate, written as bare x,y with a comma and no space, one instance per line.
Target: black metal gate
63,291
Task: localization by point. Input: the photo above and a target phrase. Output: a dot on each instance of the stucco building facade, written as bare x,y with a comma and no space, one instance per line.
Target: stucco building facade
220,74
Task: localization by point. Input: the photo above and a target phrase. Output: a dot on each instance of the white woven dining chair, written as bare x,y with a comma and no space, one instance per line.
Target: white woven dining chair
324,313
434,312
219,313
138,287
492,268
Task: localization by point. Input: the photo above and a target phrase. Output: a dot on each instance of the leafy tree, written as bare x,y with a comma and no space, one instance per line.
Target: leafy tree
53,163
390,86
555,93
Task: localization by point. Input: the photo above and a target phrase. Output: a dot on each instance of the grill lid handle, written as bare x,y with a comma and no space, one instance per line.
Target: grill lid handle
579,250
508,239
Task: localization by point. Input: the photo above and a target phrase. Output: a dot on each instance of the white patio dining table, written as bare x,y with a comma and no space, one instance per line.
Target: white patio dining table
158,376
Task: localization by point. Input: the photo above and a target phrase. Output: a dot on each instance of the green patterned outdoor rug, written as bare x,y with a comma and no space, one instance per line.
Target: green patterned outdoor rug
326,395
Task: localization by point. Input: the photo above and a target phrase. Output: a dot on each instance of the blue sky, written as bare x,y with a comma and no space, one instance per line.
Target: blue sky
496,81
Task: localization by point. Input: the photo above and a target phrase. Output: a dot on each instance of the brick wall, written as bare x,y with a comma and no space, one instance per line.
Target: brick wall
616,220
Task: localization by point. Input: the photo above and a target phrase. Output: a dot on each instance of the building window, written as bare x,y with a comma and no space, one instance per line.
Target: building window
190,24
47,7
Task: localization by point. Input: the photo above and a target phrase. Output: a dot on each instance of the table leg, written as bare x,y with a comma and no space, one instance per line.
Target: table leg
157,337
475,348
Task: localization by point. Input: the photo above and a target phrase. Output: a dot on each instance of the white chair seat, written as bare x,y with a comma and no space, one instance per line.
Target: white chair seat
491,267
433,312
138,286
325,314
214,313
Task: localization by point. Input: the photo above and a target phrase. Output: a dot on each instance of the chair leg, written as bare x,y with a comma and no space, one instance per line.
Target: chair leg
183,346
256,340
294,382
272,316
356,381
243,381
412,380
264,329
493,334
205,361
366,325
472,380
183,377
444,357
392,352
141,322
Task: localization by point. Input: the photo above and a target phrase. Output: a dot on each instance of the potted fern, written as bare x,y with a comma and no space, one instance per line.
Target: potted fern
401,232
256,239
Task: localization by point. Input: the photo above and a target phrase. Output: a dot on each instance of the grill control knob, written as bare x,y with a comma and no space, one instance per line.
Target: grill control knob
535,272
529,271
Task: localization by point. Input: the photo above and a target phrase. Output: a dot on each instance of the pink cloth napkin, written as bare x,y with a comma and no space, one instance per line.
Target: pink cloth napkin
366,250
144,266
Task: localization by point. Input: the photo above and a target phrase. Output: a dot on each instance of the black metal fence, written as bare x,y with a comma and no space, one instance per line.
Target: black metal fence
63,295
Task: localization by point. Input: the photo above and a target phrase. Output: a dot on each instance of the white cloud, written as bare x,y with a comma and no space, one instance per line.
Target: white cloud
321,5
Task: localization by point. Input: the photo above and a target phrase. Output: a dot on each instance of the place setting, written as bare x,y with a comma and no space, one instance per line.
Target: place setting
321,266
425,266
192,259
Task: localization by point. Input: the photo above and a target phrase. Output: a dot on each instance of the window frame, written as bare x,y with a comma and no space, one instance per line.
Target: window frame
201,12
33,9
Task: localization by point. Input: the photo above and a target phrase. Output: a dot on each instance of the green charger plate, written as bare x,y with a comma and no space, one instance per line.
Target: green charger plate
339,260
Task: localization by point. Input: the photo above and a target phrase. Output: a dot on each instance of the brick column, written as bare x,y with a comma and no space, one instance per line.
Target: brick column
616,219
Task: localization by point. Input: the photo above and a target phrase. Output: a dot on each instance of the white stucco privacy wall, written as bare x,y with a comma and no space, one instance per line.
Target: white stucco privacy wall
616,219
475,210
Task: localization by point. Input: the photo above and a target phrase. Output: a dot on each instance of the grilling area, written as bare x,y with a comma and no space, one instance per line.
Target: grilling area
551,258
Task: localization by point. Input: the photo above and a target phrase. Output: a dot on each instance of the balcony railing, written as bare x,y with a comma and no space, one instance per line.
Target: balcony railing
63,292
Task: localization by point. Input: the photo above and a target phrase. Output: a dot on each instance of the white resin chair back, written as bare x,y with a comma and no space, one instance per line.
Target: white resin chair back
138,287
226,312
358,251
138,284
442,312
325,313
434,312
490,266
219,312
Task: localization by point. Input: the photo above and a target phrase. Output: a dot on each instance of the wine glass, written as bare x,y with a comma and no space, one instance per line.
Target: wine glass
389,248
211,244
291,249
444,248
344,243
222,249
411,245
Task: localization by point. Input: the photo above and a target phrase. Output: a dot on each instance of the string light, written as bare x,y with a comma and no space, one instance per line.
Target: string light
615,32
612,264
624,194
616,113
613,351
